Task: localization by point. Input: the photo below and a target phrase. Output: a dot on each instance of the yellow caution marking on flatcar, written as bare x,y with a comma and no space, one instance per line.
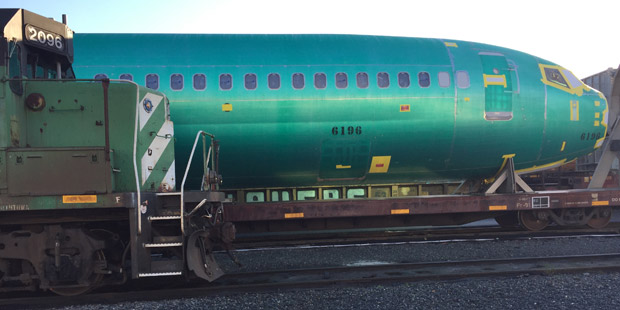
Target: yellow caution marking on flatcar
600,203
343,166
79,199
498,208
227,107
293,215
563,146
399,211
380,164
450,44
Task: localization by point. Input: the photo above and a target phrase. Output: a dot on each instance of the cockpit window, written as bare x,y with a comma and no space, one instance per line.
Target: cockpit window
572,79
561,78
554,75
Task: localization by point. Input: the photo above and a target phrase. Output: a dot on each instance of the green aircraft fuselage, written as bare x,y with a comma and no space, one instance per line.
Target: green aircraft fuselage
312,110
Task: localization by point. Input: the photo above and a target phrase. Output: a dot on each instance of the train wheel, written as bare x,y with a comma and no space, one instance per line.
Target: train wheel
533,220
95,279
600,218
508,220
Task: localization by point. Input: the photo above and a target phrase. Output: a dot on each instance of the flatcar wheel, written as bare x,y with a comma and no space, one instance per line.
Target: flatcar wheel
95,279
600,218
508,220
533,220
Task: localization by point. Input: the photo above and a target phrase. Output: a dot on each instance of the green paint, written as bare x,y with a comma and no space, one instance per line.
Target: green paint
283,137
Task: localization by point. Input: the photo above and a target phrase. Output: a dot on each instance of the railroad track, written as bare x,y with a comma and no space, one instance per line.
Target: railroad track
397,235
368,274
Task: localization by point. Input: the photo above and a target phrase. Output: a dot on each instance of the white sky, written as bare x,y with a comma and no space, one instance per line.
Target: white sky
580,35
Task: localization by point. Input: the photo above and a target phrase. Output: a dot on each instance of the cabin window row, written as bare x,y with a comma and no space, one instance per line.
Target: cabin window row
298,80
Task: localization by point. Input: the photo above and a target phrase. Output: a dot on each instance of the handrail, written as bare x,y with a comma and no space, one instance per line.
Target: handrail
189,163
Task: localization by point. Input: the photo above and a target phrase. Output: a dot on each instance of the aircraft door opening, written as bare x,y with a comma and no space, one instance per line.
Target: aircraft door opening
497,87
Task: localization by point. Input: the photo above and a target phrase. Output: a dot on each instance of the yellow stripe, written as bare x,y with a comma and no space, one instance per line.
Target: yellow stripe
498,208
227,107
400,211
600,203
563,145
79,199
343,167
451,44
293,215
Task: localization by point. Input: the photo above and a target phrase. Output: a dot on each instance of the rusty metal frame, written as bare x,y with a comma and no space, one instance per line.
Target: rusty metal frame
268,211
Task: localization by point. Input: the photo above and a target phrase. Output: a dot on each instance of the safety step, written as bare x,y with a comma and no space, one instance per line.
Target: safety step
159,274
169,194
164,218
163,245
167,239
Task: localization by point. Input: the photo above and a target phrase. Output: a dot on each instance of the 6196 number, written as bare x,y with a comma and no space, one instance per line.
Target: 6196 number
346,130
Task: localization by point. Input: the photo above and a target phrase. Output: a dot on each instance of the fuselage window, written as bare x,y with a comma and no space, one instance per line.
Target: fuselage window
298,80
424,79
101,76
320,80
362,80
126,76
444,79
200,81
462,79
250,81
152,81
176,81
225,81
383,80
342,81
403,80
553,75
273,79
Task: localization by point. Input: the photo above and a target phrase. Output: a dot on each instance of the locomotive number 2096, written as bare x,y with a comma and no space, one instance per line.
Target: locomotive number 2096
45,38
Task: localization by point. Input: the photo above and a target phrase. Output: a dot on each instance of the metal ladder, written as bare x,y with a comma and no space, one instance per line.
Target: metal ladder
159,240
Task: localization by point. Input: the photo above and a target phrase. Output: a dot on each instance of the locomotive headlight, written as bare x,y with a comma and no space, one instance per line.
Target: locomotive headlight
35,102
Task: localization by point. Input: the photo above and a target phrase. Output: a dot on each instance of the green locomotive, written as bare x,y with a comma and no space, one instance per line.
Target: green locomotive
87,173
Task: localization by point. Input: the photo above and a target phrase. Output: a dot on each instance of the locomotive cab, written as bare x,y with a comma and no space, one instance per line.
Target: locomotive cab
87,173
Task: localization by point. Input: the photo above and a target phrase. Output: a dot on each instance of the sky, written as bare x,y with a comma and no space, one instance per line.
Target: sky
579,35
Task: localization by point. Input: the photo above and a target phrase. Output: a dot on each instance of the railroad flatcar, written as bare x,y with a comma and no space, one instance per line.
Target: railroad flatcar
87,174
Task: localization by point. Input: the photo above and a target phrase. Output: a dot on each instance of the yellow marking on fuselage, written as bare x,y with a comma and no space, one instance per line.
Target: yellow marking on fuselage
599,142
597,103
574,110
227,107
343,167
466,99
597,115
380,164
492,79
450,44
597,123
563,146
405,108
